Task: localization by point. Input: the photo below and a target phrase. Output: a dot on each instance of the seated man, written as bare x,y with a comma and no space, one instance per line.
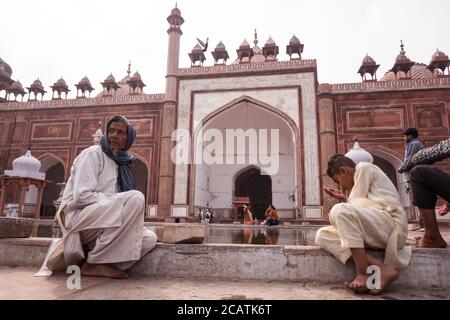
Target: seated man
101,216
371,217
271,217
427,184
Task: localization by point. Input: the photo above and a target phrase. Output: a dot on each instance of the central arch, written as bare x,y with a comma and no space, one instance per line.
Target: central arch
214,185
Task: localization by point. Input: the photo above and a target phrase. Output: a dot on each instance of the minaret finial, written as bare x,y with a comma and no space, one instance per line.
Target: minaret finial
402,46
256,38
176,4
129,67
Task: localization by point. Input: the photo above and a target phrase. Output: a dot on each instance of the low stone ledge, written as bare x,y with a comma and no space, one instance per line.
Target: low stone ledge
15,227
429,268
181,233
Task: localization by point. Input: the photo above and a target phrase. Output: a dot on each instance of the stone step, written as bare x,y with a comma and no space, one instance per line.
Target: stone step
429,268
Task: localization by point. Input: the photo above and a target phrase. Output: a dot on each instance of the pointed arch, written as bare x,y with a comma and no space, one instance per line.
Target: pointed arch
249,182
231,105
396,162
291,130
141,173
48,160
55,170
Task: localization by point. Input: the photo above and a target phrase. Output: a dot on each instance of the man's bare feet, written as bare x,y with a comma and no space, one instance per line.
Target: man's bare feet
444,209
359,284
431,242
387,275
102,270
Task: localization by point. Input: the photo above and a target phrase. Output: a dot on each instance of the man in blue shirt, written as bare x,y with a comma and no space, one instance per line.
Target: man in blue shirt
413,145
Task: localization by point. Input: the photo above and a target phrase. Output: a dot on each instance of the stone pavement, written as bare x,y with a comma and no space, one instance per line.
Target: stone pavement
19,283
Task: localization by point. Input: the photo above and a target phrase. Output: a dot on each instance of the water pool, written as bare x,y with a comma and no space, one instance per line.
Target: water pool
236,234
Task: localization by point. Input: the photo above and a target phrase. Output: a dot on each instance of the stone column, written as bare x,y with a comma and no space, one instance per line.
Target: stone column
328,141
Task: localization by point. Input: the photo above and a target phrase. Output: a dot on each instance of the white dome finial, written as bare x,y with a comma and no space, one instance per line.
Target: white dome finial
98,135
358,154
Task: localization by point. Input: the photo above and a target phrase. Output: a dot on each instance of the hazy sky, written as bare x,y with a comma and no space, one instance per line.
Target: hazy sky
73,38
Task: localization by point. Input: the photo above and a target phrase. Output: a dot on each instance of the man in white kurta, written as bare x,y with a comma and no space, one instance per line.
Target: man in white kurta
372,217
101,226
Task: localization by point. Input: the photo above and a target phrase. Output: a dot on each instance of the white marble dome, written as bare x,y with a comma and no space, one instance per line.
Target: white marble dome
358,154
26,166
27,163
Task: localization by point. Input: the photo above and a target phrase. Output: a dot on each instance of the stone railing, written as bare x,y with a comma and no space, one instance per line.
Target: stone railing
82,102
399,85
248,67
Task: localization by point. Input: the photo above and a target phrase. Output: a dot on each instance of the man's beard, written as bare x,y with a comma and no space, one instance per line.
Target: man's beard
115,152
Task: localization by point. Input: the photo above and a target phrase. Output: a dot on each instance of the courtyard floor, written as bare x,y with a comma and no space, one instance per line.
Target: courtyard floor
19,283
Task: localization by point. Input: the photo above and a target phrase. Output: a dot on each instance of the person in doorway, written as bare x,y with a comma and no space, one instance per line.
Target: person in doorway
370,217
209,215
427,183
101,216
248,217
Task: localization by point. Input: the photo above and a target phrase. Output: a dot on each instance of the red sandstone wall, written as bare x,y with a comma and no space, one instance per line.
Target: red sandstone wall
378,119
64,133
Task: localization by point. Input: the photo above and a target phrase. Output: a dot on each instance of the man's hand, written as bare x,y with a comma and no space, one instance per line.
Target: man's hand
335,193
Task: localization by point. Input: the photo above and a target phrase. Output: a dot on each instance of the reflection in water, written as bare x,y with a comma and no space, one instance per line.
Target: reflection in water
256,235
264,236
261,236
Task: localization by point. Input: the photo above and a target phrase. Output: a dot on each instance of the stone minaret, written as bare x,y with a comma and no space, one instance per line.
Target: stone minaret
167,168
327,142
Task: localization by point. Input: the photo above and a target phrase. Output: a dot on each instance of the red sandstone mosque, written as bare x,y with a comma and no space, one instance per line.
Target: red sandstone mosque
265,87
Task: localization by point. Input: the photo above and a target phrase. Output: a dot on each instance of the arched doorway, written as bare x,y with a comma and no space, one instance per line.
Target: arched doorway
389,163
387,168
139,172
54,175
258,188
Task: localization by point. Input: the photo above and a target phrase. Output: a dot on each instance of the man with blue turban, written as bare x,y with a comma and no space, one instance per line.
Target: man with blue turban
101,216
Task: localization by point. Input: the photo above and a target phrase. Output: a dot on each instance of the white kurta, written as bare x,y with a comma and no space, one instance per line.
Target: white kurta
94,216
372,218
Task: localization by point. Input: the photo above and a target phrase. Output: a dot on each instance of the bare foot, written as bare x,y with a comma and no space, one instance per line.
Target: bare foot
102,270
431,242
359,284
444,209
387,275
